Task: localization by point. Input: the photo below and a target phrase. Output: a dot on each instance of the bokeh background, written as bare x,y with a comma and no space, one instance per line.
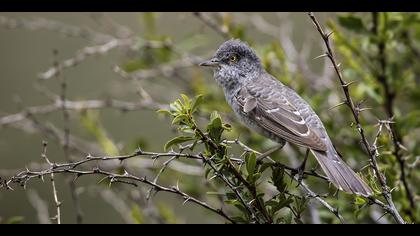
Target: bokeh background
27,43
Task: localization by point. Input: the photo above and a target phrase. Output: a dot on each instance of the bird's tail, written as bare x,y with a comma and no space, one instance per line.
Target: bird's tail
340,174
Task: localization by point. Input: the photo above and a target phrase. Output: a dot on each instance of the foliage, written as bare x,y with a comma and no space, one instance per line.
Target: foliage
213,161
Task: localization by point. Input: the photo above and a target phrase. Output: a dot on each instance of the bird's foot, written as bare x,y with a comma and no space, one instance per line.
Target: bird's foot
301,169
300,175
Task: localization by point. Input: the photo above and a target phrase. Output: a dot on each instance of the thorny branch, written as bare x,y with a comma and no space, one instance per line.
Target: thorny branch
275,164
292,174
55,194
389,95
66,118
80,106
349,102
71,168
83,54
252,189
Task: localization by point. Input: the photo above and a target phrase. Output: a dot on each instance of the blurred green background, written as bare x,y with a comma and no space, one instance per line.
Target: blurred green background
25,53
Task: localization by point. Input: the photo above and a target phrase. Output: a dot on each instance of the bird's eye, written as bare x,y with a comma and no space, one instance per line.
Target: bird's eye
233,59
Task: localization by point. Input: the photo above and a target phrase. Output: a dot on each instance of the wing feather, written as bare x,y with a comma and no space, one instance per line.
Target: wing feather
280,117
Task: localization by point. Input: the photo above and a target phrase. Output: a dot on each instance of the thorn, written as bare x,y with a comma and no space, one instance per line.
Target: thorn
177,184
364,167
139,151
154,158
338,65
211,178
321,56
349,83
212,157
329,34
186,200
382,216
364,109
104,178
386,121
341,103
361,102
402,147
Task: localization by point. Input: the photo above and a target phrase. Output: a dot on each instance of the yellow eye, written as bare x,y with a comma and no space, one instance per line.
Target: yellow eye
232,59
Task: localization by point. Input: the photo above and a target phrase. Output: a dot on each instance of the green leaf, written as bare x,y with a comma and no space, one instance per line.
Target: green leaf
186,99
281,203
164,111
251,163
278,179
179,118
352,22
359,201
215,127
197,102
177,140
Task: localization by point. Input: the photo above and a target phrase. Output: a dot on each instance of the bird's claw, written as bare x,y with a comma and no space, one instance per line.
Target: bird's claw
301,175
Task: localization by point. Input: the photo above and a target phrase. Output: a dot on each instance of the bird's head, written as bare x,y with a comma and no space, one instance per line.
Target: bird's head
234,62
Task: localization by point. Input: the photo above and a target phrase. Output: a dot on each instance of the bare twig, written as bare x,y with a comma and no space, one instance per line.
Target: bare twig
385,189
57,217
39,23
71,168
80,106
167,70
162,169
208,21
310,193
84,54
66,144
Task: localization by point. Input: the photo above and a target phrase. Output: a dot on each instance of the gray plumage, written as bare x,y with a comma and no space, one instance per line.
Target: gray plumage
275,111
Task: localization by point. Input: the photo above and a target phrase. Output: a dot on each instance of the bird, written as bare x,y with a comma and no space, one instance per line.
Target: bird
270,108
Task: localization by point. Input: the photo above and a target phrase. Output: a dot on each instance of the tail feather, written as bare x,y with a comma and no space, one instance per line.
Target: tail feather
340,174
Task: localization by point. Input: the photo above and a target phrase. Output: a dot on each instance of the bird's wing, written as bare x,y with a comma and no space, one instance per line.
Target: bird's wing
278,116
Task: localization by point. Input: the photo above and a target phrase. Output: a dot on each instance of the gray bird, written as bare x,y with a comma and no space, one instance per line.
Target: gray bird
277,112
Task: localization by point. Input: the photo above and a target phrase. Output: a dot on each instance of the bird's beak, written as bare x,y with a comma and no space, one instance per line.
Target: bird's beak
210,63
